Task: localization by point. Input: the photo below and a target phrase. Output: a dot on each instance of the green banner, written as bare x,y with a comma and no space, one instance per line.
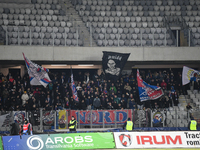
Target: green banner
60,141
1,145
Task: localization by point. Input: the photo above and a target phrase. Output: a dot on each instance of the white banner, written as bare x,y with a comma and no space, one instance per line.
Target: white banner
157,139
187,74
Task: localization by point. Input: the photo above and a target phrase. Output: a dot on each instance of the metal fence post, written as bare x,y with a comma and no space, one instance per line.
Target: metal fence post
53,37
18,36
103,119
90,35
67,119
189,37
139,119
30,40
79,119
141,37
176,117
118,38
153,38
151,119
41,120
163,119
77,36
6,36
165,37
65,36
90,118
105,37
55,117
177,38
115,119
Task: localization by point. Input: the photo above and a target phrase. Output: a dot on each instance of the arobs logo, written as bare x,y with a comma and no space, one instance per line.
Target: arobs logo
125,139
35,143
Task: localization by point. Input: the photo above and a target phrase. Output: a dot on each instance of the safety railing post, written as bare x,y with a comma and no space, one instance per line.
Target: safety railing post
41,120
139,120
103,120
153,37
90,118
177,38
30,38
151,119
115,119
79,126
189,37
18,36
165,37
6,36
77,36
55,119
67,119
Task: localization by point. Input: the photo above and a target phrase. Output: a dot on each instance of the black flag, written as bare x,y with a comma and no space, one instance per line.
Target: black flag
113,63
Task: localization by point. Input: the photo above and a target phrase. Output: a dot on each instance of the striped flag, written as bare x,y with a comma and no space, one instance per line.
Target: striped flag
37,74
146,91
74,92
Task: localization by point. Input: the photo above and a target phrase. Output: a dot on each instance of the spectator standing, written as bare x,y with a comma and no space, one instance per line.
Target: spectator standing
97,102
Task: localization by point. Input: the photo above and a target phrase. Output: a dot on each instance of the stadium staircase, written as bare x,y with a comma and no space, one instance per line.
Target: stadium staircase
77,22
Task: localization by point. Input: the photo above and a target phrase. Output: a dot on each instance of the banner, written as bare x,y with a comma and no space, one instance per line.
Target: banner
6,120
59,141
189,74
37,74
146,91
19,116
74,92
48,117
157,139
113,64
97,116
1,145
62,119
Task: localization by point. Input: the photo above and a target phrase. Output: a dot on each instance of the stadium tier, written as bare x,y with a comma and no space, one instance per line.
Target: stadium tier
99,23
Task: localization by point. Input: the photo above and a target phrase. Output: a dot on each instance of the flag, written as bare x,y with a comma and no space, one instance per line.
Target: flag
37,74
189,74
146,91
113,64
74,92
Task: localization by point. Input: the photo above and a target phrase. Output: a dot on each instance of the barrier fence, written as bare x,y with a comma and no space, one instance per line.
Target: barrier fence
45,120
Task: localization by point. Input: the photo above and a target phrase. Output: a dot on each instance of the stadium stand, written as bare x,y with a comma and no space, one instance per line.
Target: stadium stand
99,23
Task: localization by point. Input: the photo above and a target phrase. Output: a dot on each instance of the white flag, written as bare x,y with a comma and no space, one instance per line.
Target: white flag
187,74
37,74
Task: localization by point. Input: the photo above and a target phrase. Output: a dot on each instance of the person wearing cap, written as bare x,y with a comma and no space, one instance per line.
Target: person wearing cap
192,125
27,128
128,125
72,124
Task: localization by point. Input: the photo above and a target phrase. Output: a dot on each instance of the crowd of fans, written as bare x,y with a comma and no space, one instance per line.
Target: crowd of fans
94,91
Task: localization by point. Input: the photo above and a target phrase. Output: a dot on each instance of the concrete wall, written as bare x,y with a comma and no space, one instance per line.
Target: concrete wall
42,53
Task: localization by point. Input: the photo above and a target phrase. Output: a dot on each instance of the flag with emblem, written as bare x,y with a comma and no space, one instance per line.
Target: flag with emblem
146,91
113,64
189,74
37,74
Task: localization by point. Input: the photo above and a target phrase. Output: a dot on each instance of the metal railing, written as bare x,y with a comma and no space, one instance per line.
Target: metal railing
47,120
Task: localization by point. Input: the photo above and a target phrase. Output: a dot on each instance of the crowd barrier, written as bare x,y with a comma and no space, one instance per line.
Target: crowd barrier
109,140
46,120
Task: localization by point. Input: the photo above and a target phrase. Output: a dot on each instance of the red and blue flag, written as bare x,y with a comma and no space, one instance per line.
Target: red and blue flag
74,92
37,74
146,91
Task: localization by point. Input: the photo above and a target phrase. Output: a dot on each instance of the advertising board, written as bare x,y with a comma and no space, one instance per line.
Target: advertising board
157,139
59,141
